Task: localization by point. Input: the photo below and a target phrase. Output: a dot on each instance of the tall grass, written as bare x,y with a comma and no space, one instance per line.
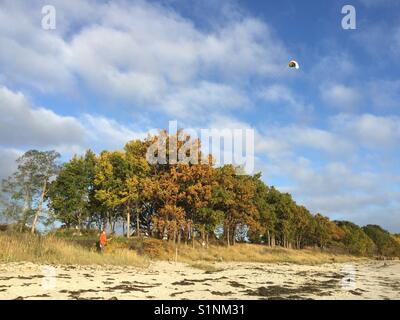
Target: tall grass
253,253
138,252
53,250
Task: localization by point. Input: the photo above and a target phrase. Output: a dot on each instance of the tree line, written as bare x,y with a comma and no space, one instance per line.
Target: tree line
173,201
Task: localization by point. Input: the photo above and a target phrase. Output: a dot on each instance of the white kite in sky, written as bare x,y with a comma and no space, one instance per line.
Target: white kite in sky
293,64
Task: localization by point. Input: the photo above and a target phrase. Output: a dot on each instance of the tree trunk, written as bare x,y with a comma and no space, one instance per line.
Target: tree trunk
79,220
104,224
39,209
26,209
192,236
110,221
186,233
227,235
203,236
128,222
137,222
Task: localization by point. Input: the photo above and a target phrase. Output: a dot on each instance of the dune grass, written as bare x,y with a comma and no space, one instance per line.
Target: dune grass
252,253
52,250
139,252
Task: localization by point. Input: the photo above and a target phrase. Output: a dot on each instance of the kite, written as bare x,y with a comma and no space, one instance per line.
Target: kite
293,64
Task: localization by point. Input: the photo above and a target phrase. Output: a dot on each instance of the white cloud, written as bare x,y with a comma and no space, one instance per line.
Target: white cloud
344,185
369,130
296,137
338,190
332,178
107,133
384,94
30,55
143,53
381,40
343,63
23,124
340,96
7,161
196,103
287,101
277,93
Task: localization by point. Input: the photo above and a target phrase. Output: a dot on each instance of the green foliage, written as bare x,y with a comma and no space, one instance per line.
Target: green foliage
386,244
355,239
24,192
70,193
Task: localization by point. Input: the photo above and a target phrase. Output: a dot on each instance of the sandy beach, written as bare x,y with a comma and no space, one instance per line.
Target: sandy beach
169,280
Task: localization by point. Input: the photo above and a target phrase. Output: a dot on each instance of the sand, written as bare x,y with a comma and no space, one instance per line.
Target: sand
169,280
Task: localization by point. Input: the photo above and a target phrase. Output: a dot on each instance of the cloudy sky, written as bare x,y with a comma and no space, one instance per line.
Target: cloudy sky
110,71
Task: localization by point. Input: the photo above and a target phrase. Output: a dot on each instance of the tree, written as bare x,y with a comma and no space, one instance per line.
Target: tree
283,208
355,239
119,182
264,229
208,220
170,216
28,186
195,185
322,228
46,168
233,195
10,204
71,193
386,245
110,185
137,169
302,226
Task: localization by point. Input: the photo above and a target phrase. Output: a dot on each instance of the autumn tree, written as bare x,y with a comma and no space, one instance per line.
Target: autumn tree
355,240
137,170
170,217
302,226
110,185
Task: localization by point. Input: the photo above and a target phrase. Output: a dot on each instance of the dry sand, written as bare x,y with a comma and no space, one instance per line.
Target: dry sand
165,280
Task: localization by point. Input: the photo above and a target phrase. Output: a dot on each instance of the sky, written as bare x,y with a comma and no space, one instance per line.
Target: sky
109,72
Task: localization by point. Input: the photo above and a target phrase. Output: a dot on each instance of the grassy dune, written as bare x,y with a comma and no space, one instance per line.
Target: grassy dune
252,253
120,251
50,249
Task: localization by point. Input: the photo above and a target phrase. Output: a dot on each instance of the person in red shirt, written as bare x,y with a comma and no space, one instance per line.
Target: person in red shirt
102,240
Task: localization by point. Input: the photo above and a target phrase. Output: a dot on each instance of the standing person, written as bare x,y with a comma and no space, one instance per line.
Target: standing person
102,240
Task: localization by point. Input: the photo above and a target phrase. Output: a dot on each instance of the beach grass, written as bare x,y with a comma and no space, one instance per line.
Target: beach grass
16,247
50,249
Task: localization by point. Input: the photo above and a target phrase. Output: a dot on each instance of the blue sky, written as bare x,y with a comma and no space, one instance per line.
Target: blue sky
110,71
